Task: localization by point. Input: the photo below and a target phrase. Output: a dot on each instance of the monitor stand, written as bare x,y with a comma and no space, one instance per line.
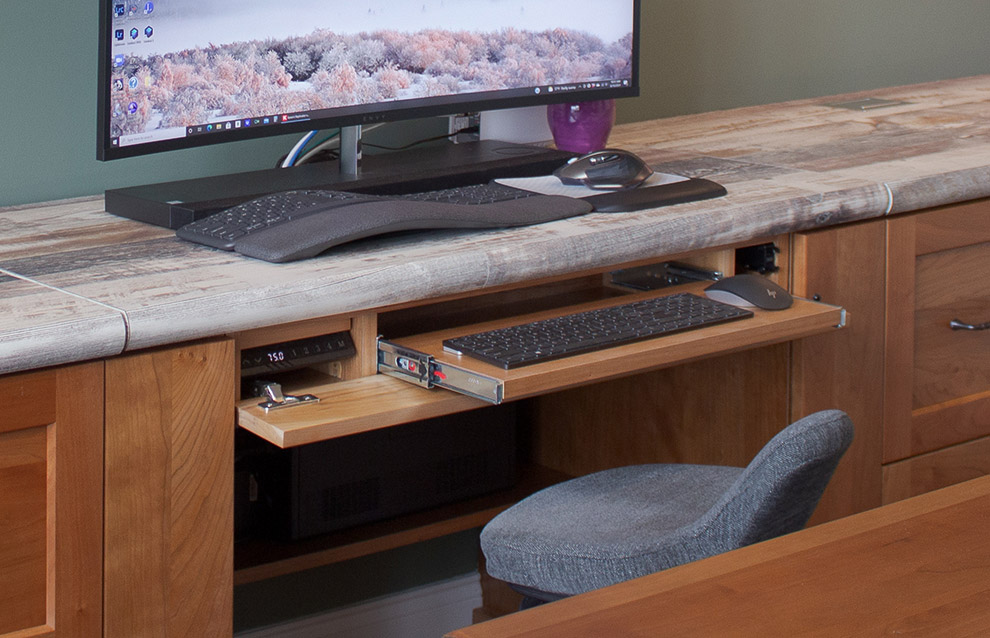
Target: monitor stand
174,204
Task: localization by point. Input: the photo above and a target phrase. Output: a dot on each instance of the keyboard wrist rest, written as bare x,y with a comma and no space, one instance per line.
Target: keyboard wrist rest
310,235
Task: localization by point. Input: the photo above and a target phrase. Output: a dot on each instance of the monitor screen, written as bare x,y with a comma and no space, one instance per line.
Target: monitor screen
182,73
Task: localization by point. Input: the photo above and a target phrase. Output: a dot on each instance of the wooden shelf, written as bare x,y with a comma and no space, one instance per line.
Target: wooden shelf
368,403
350,407
803,319
256,560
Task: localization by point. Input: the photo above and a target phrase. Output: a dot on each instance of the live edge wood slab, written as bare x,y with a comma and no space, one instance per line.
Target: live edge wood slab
77,283
919,567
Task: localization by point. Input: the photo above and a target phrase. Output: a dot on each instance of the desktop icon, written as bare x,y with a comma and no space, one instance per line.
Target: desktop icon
135,33
118,84
132,108
119,34
132,82
118,61
119,10
132,10
148,32
149,7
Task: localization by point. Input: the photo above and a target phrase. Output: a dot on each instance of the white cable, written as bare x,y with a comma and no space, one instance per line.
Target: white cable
290,159
333,142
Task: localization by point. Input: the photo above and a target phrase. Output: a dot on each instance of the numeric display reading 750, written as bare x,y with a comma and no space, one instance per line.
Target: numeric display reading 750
290,355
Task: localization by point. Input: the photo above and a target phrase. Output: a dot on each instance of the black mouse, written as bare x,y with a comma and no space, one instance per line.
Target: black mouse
749,290
608,169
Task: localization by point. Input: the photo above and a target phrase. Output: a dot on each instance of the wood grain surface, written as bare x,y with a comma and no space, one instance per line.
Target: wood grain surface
917,567
787,167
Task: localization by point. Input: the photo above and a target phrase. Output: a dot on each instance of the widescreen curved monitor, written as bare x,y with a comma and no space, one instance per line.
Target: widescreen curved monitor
182,73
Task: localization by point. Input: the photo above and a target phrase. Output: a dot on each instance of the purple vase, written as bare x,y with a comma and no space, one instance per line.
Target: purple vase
582,127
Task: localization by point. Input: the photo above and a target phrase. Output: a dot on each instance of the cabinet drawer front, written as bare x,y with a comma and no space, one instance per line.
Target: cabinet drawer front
936,379
29,400
24,499
23,528
927,472
951,364
954,226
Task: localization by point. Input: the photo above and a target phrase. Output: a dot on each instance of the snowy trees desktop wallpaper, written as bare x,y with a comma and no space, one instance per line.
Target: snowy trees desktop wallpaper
204,65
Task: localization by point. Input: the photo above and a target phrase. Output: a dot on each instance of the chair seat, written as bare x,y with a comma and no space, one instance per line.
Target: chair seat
604,528
611,526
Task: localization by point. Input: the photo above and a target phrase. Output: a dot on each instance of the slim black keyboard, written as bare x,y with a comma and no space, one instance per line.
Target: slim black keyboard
591,330
222,229
293,225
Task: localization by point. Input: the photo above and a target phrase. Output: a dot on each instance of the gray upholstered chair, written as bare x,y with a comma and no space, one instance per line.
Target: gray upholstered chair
611,526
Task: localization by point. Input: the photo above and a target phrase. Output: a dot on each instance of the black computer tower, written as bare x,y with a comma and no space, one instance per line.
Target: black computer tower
331,485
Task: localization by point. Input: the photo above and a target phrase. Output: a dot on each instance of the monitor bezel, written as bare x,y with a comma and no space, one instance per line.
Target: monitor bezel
370,114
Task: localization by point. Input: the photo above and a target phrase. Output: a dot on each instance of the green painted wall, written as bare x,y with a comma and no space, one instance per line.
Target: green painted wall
698,55
703,55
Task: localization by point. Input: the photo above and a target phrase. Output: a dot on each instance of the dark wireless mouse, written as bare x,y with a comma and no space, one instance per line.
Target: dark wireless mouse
608,169
750,290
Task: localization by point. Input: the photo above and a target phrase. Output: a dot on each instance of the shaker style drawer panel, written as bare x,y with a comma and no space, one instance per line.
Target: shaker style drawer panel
29,400
937,377
949,363
935,470
51,514
23,524
24,484
953,226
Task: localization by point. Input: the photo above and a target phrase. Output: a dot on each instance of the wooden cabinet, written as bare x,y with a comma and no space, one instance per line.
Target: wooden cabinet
51,494
845,266
937,379
714,395
152,553
169,513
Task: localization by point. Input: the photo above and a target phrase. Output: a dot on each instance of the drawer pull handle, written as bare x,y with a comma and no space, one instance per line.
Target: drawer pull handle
955,324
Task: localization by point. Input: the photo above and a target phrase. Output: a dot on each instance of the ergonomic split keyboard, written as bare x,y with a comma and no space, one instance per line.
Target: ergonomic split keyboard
592,330
293,225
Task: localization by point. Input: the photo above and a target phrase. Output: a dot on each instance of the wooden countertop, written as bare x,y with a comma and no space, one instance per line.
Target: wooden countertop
916,567
77,283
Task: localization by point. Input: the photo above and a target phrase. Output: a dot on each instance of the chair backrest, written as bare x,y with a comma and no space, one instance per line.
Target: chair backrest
780,488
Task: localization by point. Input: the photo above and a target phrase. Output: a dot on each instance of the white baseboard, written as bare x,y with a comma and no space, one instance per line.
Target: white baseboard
425,612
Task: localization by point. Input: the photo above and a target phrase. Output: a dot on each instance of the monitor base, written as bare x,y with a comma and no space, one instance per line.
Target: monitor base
174,204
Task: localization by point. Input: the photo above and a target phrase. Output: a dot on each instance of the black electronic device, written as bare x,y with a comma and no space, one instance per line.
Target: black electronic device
748,290
607,169
362,478
292,355
298,224
184,73
590,330
632,199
